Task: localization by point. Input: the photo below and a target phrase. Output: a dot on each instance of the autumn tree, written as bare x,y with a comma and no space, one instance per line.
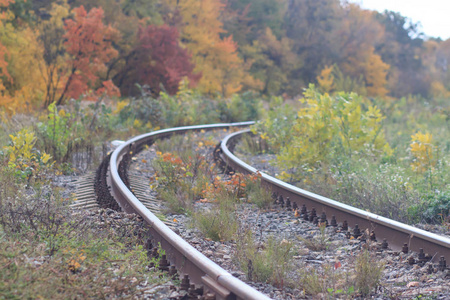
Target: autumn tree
272,61
51,37
400,48
156,60
216,58
312,25
246,20
89,46
436,56
360,33
25,58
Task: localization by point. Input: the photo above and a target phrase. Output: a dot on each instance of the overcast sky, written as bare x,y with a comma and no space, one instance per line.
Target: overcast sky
434,15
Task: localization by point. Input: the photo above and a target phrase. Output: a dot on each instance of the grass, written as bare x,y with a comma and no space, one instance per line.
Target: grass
368,272
330,281
253,145
269,262
257,193
218,225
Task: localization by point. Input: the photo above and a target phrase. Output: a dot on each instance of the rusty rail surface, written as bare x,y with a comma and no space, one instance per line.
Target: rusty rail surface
399,236
216,281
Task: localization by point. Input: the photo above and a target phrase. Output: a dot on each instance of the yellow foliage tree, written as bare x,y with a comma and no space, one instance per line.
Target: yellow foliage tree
435,56
215,58
422,152
24,88
333,124
326,79
5,99
272,61
25,59
375,73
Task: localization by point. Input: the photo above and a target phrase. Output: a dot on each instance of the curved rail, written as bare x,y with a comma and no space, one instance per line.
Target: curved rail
186,258
398,234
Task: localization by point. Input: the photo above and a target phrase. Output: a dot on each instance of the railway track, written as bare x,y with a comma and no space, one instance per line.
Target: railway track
113,183
216,282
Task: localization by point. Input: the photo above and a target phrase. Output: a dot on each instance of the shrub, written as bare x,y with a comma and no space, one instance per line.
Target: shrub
144,112
23,158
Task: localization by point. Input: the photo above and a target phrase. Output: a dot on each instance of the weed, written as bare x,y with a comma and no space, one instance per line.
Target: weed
311,281
368,272
326,280
217,224
257,193
47,252
253,144
182,178
269,263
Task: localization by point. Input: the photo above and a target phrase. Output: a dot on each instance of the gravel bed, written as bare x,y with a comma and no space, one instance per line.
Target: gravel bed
400,279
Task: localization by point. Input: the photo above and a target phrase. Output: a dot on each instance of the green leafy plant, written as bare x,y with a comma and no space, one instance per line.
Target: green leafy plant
26,161
56,131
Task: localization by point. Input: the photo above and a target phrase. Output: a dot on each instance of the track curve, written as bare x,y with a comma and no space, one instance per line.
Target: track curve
397,234
186,259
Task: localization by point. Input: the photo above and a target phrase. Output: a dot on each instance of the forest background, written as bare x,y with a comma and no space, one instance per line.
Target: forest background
52,51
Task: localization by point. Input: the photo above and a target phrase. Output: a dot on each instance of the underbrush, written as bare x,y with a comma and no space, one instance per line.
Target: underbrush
392,160
47,252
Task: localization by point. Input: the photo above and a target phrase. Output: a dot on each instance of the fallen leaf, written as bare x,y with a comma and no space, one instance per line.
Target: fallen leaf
337,265
413,284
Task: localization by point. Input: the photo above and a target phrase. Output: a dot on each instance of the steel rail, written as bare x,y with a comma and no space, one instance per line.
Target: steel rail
180,253
396,233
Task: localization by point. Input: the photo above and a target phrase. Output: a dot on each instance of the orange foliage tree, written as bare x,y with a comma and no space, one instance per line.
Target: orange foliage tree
89,45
